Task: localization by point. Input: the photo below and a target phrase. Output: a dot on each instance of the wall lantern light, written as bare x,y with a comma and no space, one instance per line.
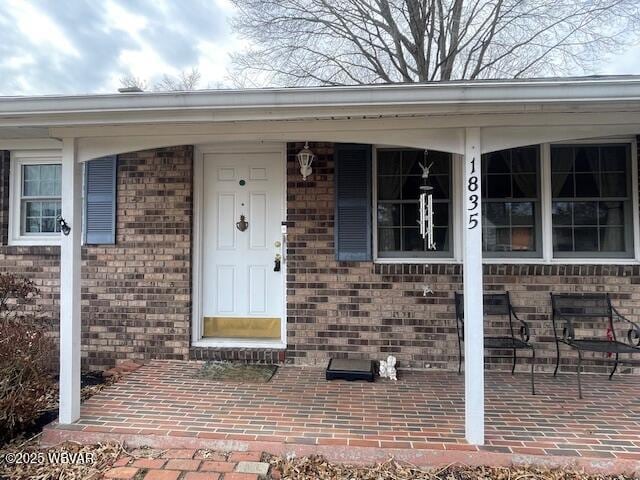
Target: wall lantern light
64,226
305,159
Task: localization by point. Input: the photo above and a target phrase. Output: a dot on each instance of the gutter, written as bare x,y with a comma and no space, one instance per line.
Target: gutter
608,89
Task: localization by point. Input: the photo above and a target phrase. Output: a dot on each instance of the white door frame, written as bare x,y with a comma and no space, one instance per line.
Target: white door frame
196,256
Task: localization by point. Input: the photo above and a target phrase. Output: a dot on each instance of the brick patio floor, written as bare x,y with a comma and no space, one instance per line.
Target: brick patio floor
164,403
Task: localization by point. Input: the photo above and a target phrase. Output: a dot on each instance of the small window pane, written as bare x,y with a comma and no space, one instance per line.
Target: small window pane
563,239
440,184
441,163
562,185
612,239
522,239
586,239
522,214
388,214
562,213
524,185
411,188
48,225
611,213
410,215
586,159
33,209
32,225
495,214
440,214
50,209
614,185
498,186
388,162
31,172
498,162
389,188
48,173
561,159
587,184
411,160
613,158
389,239
31,188
585,213
441,237
524,160
412,240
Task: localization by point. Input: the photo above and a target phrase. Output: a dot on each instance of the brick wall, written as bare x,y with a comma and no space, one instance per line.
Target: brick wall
366,310
136,294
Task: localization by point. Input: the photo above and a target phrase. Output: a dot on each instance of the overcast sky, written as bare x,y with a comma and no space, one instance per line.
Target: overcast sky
78,46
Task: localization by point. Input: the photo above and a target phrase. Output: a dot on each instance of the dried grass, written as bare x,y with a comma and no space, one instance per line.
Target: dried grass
318,468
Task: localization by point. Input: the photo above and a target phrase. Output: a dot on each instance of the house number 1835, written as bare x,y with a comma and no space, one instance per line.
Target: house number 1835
473,198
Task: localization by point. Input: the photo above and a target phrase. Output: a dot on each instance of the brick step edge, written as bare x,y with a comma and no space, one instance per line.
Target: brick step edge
350,454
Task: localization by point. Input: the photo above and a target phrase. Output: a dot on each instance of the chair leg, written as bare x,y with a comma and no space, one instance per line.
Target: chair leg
555,372
533,364
615,366
459,356
515,356
579,368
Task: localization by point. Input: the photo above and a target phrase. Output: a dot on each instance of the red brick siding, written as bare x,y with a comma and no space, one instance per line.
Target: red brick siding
366,310
136,294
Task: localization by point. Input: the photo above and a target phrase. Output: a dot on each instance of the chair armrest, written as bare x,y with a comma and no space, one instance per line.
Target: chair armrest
633,334
525,331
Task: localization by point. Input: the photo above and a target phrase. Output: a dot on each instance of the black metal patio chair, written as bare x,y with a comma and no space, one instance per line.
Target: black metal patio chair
596,332
496,306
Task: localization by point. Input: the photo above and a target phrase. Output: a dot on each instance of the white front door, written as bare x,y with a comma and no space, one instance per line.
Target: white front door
242,290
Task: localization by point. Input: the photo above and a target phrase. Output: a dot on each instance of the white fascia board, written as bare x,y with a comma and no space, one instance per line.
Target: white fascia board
624,89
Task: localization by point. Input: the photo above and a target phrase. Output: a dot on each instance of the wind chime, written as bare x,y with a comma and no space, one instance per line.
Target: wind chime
425,219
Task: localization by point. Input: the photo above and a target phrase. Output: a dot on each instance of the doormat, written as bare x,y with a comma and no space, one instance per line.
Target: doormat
237,372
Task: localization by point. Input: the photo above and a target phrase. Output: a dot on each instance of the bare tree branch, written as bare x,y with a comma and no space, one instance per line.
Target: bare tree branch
338,42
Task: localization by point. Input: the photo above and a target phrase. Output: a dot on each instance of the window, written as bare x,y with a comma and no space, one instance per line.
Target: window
511,203
398,181
40,199
591,201
36,198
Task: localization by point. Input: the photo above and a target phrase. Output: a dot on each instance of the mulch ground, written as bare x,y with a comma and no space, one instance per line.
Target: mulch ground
51,464
317,468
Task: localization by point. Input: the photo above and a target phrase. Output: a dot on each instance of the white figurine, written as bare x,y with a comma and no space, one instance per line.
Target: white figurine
388,368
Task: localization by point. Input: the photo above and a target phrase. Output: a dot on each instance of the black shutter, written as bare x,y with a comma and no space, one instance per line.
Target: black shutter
353,202
100,201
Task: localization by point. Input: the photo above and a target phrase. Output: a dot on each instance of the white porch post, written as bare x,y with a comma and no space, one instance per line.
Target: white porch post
472,277
70,285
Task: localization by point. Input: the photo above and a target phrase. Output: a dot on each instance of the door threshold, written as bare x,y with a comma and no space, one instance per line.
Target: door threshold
239,343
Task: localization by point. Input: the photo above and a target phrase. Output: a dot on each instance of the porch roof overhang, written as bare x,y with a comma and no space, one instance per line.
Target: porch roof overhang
430,115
